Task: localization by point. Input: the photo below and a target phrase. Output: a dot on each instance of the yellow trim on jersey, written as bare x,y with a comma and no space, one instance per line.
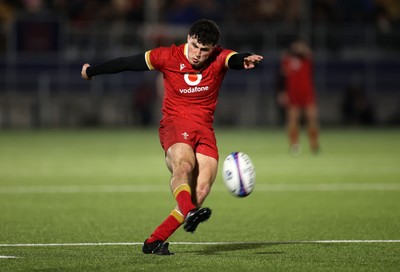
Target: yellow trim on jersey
180,188
178,216
185,51
147,59
228,57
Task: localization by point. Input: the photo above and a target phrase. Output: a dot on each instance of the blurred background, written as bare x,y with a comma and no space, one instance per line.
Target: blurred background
43,45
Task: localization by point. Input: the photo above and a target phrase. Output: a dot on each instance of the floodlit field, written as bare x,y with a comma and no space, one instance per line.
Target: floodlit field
85,200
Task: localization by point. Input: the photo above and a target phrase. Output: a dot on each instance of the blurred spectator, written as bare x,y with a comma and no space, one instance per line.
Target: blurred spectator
265,11
292,10
7,13
258,11
383,12
298,95
131,11
357,109
33,6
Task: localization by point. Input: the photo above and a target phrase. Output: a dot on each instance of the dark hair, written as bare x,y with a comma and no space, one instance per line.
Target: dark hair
206,31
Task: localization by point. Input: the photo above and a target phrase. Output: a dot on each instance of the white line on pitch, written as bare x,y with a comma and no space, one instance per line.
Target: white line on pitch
7,257
204,243
83,189
262,187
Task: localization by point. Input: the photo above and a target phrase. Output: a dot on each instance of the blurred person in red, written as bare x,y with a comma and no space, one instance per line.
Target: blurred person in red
297,95
192,75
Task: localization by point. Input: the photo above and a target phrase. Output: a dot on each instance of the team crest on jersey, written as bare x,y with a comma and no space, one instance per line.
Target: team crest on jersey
185,135
192,79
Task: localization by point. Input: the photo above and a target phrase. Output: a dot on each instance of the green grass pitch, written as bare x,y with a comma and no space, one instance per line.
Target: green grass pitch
84,200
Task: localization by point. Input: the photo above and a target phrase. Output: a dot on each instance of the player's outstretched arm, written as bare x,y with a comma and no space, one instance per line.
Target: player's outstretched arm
132,63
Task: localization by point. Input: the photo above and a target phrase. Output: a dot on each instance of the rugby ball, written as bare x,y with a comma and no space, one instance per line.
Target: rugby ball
239,174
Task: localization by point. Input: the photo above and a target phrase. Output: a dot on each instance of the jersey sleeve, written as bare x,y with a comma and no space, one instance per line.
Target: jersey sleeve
157,58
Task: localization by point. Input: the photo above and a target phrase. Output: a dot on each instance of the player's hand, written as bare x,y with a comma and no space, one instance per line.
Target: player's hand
251,61
83,72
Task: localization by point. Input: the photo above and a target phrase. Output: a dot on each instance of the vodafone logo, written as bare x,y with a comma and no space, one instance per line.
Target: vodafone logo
192,79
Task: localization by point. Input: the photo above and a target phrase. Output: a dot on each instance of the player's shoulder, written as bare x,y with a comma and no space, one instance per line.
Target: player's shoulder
220,51
174,47
164,56
171,51
162,49
166,52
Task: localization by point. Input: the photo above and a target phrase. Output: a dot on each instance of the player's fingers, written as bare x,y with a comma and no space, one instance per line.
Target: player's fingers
254,58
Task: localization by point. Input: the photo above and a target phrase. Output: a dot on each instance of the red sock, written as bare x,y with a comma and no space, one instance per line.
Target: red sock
183,196
168,227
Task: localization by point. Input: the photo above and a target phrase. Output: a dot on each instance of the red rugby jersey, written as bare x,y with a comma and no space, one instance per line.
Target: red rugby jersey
189,92
298,79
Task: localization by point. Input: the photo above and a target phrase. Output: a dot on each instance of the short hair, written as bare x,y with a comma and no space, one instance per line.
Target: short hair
205,31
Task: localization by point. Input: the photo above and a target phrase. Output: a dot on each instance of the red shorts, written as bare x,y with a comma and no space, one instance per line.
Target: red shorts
180,130
301,99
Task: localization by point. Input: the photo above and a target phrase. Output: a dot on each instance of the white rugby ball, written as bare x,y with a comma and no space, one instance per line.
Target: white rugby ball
239,174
